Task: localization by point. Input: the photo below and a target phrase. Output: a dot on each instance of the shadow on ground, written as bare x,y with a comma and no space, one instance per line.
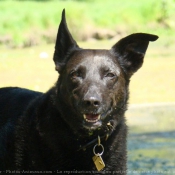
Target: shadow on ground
151,139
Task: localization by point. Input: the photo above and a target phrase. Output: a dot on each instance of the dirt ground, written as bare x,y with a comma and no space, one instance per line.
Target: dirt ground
151,139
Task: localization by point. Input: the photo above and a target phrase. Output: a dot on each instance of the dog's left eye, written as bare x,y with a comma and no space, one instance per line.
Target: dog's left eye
110,75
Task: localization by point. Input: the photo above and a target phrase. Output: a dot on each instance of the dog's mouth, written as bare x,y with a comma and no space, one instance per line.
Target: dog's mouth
92,121
95,123
91,118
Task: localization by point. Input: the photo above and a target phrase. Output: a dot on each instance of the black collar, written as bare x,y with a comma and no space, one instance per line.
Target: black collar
105,137
109,130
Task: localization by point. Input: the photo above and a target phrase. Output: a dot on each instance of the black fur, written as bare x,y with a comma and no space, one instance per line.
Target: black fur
57,130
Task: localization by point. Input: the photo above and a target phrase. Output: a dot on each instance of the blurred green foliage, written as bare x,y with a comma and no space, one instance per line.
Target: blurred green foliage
25,23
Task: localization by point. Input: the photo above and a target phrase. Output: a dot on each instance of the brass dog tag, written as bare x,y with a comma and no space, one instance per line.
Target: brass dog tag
98,161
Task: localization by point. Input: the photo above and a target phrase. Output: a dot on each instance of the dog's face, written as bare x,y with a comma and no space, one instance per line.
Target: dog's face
94,83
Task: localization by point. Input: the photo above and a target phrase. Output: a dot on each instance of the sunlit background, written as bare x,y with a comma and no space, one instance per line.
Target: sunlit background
27,34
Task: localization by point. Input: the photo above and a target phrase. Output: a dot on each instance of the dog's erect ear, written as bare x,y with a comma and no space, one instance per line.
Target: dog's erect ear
131,50
65,44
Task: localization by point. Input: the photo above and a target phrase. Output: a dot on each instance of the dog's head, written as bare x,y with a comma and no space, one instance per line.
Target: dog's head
93,84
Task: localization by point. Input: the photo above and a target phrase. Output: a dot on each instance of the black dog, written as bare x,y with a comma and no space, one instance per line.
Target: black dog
78,126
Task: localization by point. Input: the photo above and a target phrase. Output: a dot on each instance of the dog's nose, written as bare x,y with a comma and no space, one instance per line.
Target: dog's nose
92,99
91,102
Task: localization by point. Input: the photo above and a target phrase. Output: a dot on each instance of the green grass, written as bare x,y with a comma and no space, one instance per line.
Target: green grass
154,82
25,23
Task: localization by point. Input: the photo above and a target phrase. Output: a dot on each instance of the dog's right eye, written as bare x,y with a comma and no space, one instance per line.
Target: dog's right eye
74,74
78,73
